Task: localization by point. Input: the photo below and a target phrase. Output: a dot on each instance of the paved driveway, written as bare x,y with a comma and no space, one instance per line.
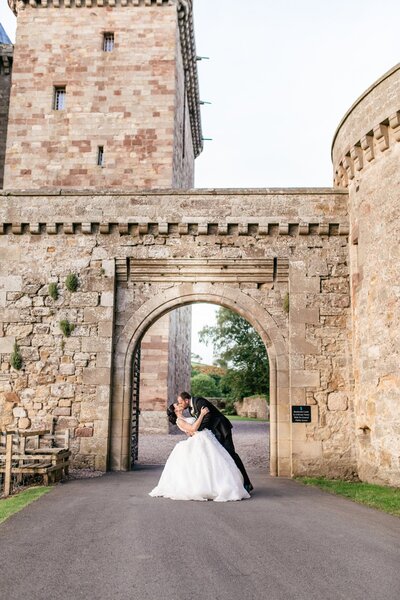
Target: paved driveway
105,538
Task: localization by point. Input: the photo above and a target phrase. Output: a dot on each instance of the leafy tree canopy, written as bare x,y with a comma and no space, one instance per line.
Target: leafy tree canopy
205,385
241,351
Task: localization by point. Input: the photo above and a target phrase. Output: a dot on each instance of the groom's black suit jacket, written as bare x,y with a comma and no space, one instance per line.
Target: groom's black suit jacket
221,428
214,420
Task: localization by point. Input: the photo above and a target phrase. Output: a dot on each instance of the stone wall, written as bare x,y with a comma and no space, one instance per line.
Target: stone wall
165,368
179,356
6,52
273,243
367,155
130,101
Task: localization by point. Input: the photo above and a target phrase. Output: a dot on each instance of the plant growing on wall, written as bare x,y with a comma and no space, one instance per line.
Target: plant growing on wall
66,327
16,358
286,303
72,282
53,291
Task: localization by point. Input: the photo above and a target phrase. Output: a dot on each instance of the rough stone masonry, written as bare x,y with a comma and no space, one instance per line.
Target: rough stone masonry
315,271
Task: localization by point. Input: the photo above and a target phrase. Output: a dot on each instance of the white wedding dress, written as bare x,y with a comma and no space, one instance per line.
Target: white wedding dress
199,468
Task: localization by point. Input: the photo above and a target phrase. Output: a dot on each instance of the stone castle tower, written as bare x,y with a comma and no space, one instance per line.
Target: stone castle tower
110,100
366,159
6,54
103,129
104,96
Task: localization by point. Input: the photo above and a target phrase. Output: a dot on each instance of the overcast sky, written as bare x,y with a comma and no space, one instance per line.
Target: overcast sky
280,77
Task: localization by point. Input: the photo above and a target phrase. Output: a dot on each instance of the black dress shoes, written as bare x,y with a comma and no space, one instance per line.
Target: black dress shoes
248,487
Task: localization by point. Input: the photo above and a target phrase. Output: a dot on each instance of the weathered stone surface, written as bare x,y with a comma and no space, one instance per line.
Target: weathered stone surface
6,344
84,432
63,390
62,412
19,412
24,423
337,401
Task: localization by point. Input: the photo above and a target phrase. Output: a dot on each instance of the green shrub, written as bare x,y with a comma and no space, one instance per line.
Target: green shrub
286,303
16,358
53,291
72,282
66,327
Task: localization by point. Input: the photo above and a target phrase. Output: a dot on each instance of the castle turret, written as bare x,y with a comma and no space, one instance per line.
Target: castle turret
366,158
104,95
6,56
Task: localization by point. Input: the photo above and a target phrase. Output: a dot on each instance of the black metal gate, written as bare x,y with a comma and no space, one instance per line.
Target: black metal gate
135,406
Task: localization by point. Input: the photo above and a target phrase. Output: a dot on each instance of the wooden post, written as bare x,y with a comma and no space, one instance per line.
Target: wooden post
7,475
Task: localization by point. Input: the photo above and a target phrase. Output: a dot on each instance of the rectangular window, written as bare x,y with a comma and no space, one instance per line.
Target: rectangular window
60,94
108,42
100,156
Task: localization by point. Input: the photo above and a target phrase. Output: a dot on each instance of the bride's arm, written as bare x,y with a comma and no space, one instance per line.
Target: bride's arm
187,427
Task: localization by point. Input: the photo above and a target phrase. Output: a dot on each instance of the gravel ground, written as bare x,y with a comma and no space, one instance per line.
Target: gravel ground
251,439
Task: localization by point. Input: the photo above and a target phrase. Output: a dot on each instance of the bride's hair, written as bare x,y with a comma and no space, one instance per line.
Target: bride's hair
171,414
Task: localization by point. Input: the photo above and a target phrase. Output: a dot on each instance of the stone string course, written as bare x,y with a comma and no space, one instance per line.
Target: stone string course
165,229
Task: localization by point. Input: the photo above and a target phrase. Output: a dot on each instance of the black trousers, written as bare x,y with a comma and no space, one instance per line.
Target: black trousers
227,443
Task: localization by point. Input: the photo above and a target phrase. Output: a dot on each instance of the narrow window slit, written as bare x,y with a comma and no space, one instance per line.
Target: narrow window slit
59,99
108,42
100,156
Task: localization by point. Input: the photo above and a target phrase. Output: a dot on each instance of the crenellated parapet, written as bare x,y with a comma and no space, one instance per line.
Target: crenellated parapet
187,40
17,5
367,149
368,129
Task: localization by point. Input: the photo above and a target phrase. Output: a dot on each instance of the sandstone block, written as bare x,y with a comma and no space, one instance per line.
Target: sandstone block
62,412
94,315
338,401
19,331
6,344
84,432
304,378
67,369
11,397
24,423
83,299
105,329
19,412
11,283
96,344
62,390
99,376
107,299
64,403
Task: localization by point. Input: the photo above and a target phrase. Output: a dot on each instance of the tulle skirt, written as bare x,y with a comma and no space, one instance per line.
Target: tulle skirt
199,468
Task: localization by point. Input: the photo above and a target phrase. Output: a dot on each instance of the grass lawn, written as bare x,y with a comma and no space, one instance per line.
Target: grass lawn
237,418
13,504
381,497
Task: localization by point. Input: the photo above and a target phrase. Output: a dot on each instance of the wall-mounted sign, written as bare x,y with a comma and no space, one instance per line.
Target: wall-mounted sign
301,414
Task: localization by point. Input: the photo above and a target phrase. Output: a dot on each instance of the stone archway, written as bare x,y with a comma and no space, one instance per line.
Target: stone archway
175,297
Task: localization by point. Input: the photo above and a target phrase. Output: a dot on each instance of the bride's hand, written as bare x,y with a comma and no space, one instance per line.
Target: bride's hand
204,410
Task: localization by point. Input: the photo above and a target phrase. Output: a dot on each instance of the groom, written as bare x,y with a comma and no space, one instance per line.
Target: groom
220,426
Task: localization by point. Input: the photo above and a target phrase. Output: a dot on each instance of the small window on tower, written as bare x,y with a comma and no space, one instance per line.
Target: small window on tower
60,94
108,42
100,156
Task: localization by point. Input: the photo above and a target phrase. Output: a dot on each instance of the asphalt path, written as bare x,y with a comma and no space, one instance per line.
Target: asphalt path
105,538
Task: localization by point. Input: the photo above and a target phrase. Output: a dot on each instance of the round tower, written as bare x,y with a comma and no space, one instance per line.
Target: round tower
366,160
104,95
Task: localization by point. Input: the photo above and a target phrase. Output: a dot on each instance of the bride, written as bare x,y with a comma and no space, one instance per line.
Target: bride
198,468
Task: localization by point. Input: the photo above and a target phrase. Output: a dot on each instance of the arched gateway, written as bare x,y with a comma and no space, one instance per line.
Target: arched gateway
181,295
